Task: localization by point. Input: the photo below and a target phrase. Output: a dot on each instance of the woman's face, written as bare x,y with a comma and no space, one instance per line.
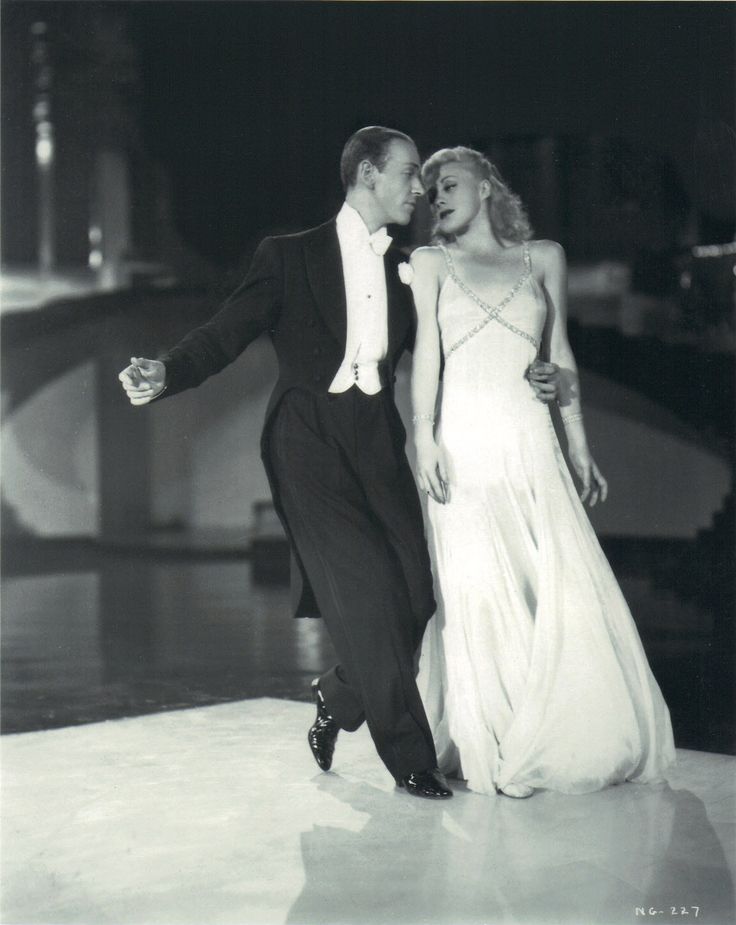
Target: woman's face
457,197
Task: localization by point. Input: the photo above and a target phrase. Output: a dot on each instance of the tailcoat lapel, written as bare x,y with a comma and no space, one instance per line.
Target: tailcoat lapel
326,280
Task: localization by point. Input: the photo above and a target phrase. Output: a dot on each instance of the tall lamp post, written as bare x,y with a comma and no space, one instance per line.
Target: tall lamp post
44,146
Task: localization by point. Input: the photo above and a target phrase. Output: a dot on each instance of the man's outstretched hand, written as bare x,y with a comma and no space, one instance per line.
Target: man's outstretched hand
143,380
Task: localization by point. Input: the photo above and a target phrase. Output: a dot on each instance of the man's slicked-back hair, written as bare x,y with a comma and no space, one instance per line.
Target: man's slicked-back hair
367,144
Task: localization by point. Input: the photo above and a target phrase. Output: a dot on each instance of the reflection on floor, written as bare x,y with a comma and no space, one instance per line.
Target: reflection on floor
134,635
91,635
219,815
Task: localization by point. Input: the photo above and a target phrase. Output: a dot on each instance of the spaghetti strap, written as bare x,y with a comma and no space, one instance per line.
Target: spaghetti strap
527,257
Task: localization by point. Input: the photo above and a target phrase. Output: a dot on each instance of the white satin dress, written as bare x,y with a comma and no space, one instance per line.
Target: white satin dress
532,670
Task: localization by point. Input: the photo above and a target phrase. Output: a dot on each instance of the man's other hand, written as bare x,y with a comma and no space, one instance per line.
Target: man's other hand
544,378
143,380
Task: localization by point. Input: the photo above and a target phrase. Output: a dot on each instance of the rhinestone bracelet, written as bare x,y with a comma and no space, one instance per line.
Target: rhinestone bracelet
423,417
572,419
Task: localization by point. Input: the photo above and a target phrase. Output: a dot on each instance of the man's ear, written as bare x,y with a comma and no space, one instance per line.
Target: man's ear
367,173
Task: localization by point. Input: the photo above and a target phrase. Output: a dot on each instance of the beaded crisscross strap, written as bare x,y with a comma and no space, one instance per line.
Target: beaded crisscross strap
492,312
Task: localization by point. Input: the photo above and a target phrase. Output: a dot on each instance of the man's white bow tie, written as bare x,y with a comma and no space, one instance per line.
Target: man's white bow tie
379,241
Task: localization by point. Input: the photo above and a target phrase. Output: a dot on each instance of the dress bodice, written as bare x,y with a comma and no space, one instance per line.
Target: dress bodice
488,343
503,319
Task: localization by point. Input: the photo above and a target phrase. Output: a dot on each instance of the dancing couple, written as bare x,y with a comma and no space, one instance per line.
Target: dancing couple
531,673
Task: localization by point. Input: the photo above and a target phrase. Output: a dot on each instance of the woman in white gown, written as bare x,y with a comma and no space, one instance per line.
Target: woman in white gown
532,672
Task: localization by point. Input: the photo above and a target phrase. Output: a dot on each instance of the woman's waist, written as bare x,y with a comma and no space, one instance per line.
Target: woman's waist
497,356
520,405
488,386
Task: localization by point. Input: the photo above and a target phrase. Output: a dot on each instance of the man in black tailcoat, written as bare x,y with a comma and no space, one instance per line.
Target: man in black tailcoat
333,446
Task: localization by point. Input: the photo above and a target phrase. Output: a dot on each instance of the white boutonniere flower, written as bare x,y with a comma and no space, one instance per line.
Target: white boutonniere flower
406,273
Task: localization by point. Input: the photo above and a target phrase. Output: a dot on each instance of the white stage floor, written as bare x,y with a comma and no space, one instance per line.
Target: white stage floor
219,815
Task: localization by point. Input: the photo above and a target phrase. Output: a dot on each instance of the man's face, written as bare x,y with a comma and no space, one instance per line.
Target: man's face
398,187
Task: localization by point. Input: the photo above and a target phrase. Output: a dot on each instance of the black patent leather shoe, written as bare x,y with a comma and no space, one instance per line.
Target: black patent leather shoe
429,784
323,734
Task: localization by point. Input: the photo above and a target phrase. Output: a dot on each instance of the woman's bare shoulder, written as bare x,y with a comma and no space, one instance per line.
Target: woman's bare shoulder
428,264
549,253
428,256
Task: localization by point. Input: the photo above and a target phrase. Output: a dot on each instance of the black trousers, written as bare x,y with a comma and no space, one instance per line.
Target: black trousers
351,503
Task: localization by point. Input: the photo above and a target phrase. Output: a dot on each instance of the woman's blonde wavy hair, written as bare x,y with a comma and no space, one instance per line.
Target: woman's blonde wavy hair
508,216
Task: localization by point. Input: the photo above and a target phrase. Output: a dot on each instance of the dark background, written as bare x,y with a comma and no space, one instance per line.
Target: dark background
245,106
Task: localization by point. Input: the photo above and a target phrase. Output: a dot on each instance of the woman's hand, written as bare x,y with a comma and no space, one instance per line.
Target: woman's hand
432,475
595,487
